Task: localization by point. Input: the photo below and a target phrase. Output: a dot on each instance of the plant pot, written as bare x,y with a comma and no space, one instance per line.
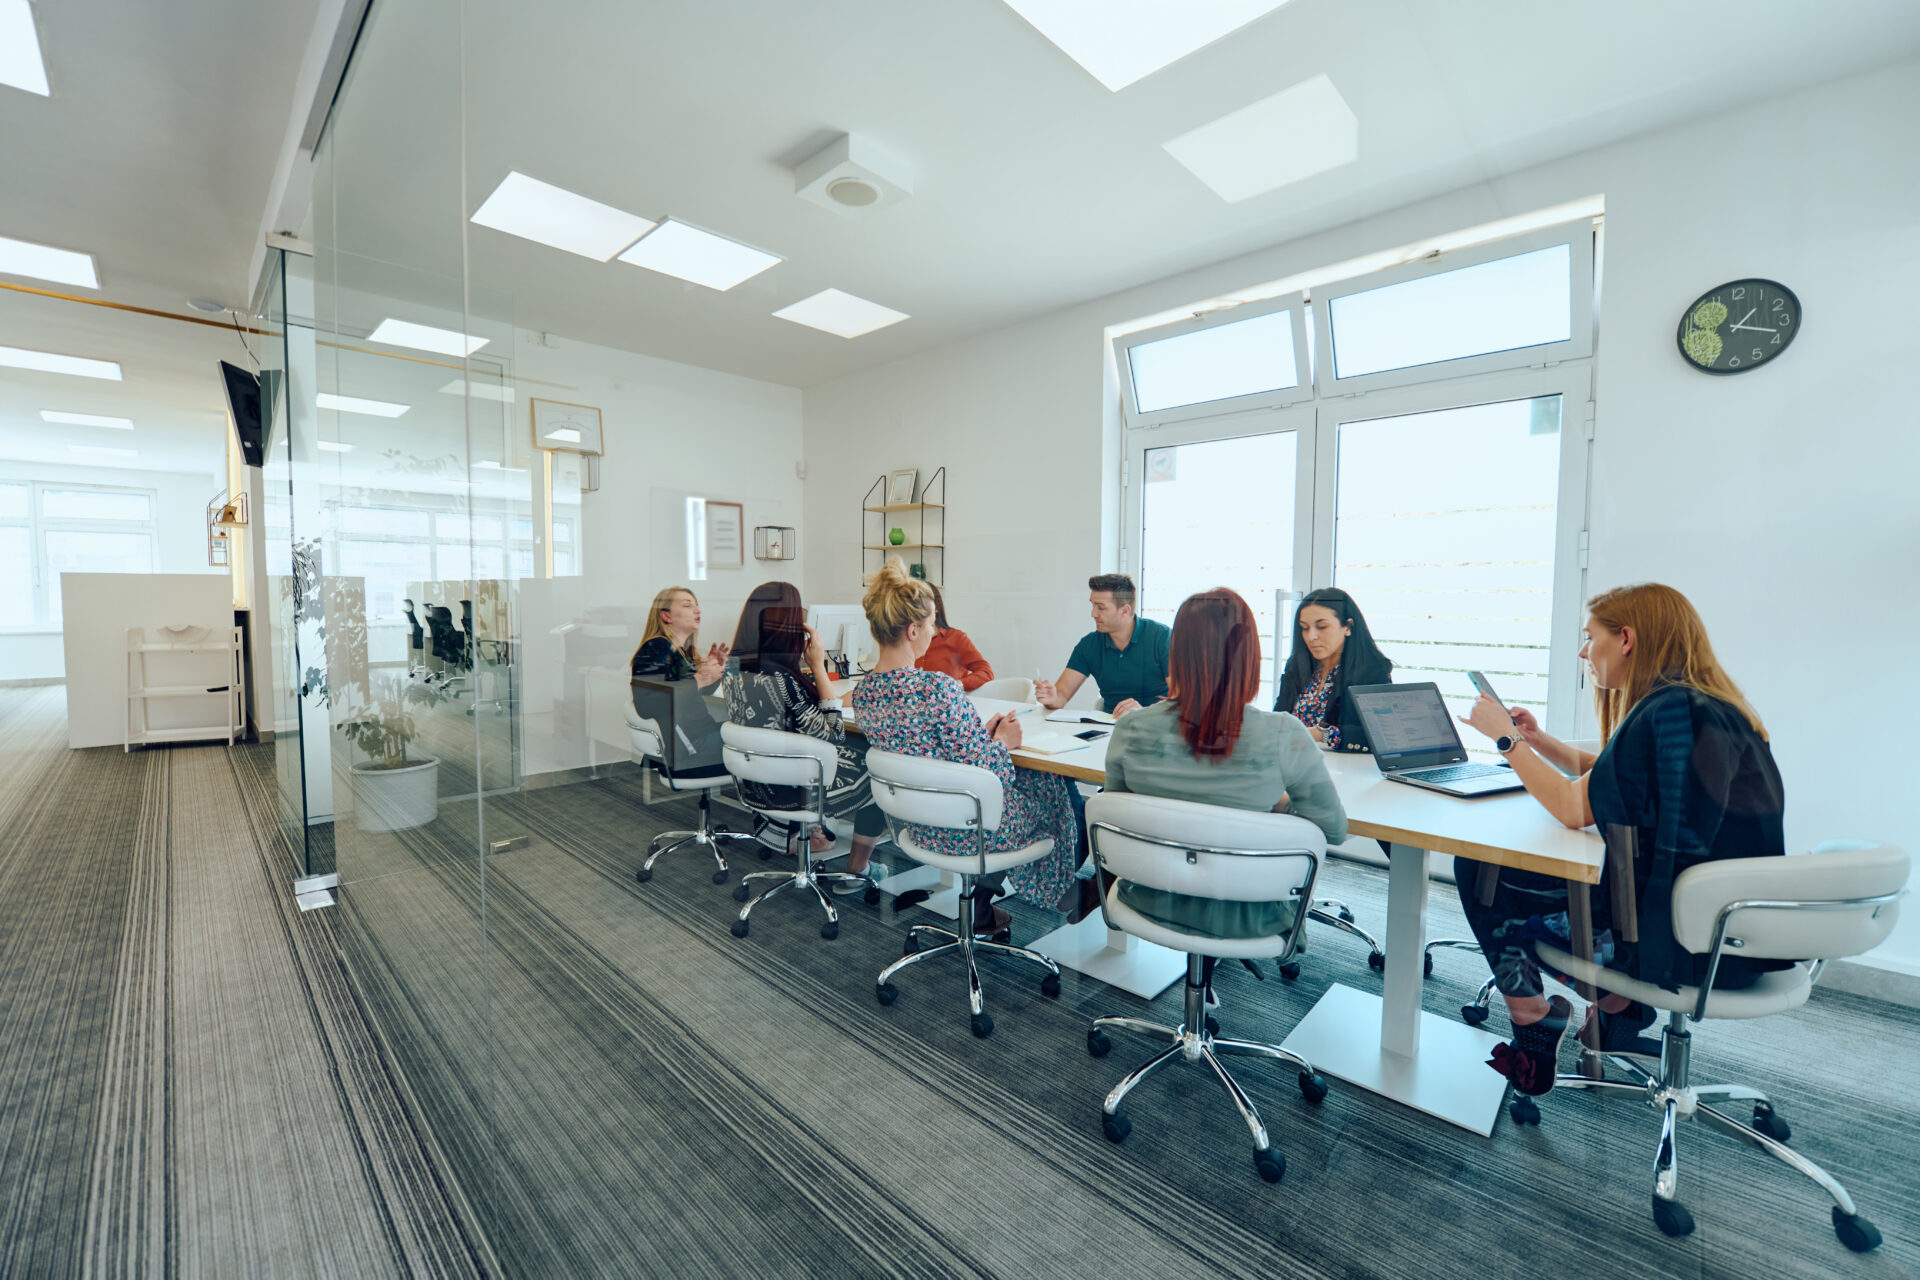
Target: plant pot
395,799
897,536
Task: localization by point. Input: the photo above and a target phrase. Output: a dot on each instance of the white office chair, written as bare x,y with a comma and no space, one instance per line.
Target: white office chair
1010,689
773,757
917,791
1236,855
649,749
1841,900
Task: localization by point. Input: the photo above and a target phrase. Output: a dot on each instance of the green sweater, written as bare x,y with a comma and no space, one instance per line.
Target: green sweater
1275,756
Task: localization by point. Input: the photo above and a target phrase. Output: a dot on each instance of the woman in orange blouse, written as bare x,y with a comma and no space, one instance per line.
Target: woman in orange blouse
952,652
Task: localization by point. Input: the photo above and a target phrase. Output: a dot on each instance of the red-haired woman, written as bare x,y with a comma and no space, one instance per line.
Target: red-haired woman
1205,743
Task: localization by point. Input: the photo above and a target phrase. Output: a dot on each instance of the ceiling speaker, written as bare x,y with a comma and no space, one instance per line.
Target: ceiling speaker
852,175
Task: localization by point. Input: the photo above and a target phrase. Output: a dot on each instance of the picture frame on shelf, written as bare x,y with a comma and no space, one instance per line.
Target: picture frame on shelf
726,541
900,486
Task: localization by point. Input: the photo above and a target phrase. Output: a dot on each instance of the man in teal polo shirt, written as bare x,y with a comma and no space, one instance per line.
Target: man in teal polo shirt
1125,655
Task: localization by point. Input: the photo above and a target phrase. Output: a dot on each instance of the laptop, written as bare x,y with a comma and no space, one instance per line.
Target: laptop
1414,741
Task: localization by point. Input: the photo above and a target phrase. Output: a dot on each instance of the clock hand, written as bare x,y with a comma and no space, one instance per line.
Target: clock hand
1743,319
1751,327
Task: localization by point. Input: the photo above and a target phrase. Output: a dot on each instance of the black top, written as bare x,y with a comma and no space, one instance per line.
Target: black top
1695,782
658,659
1353,735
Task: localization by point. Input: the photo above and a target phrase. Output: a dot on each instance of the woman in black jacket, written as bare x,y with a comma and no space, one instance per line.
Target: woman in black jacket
1332,650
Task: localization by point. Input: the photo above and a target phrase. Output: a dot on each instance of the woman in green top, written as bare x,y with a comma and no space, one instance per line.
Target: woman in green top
1204,743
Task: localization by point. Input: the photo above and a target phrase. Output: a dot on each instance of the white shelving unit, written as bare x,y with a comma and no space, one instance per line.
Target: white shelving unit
199,668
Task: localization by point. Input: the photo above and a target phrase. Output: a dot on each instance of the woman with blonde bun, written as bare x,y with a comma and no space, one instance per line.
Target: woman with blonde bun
905,709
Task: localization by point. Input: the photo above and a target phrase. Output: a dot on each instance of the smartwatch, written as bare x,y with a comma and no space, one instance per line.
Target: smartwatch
1505,743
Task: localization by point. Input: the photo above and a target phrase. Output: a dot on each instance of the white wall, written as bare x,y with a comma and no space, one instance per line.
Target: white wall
1780,501
34,652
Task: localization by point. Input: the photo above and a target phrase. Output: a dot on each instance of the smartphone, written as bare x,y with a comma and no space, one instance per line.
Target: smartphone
1090,734
1481,683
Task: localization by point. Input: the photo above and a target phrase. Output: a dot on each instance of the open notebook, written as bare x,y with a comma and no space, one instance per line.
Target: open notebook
1080,715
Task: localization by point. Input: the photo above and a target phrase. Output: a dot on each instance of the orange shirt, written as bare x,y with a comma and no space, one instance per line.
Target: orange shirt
954,654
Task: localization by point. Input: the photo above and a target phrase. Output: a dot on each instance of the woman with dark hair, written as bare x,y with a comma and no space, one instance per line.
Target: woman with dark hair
951,650
782,675
1204,743
1332,649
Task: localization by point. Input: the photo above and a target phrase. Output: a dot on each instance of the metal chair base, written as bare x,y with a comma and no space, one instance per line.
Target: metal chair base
1197,1039
1671,1093
1337,914
964,942
707,837
805,875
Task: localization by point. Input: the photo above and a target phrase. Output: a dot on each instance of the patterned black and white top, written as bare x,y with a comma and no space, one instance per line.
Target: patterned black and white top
776,700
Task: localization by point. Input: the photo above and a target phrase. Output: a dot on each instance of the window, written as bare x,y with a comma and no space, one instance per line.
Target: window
1245,358
47,530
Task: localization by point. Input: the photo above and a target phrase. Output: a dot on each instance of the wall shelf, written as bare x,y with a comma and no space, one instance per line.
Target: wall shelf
200,663
889,508
924,522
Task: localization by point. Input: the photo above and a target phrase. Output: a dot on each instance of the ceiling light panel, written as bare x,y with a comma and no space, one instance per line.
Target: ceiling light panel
550,215
50,362
1292,135
354,404
423,337
102,451
479,390
832,311
43,262
686,252
334,446
87,420
1121,41
20,63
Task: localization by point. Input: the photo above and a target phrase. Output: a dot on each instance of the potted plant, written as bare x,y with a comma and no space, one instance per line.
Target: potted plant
392,789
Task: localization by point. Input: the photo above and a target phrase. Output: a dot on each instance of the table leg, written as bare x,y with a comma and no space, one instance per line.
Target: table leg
1115,958
1580,924
1385,1043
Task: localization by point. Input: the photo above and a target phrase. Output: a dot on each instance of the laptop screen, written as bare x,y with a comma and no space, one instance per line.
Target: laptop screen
1407,724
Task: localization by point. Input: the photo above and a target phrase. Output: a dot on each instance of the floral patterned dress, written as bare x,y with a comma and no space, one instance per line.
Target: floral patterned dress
925,713
1310,708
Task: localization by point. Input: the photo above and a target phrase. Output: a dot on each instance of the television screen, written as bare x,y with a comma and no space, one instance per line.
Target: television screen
243,410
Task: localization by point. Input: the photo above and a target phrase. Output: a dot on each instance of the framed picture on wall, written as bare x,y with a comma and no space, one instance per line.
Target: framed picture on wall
726,544
572,428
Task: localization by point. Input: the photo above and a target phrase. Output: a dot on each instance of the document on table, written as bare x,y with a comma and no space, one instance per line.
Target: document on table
1051,744
1086,716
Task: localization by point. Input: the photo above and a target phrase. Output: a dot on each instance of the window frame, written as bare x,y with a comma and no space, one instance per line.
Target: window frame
1134,419
1578,345
38,525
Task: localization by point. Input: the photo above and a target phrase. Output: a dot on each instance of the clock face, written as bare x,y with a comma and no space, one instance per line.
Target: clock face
1739,326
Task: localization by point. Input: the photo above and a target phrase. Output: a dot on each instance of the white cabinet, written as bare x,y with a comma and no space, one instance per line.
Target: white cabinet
184,684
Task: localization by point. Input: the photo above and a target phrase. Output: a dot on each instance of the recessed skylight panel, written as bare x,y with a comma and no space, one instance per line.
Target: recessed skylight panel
334,446
686,252
550,215
1121,41
86,420
1294,134
842,314
102,451
424,337
52,362
43,262
479,390
20,62
354,404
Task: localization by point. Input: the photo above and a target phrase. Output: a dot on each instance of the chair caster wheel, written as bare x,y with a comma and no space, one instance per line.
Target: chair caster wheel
1346,916
982,1025
643,875
741,893
886,993
1473,1015
1116,1127
1855,1232
1767,1121
739,928
1524,1110
911,945
1270,1164
1098,1046
1313,1086
871,896
1050,986
1377,960
766,854
1426,965
1212,1025
830,930
1672,1217
1290,970
720,877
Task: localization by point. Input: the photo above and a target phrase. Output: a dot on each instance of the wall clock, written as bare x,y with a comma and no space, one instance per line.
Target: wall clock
1738,326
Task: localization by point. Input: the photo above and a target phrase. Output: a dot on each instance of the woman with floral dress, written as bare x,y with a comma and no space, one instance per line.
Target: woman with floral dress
1332,649
909,711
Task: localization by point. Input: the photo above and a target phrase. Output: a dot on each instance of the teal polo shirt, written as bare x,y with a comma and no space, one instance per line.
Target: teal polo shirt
1138,671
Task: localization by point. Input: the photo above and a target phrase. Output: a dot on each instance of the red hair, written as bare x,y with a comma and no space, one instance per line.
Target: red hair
1213,669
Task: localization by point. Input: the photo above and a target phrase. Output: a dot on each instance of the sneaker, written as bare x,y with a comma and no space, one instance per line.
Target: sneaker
841,888
1532,1057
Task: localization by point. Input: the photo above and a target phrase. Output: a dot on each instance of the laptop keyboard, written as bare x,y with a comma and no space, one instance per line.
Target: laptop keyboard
1452,772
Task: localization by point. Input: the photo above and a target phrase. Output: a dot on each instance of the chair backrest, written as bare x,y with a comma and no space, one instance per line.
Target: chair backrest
680,719
935,793
1207,851
1840,900
1010,689
777,758
648,742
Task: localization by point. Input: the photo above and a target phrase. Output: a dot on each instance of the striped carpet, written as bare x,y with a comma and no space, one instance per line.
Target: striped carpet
578,1075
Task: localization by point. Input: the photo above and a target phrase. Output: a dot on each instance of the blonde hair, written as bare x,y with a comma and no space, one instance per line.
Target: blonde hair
1669,647
895,601
656,628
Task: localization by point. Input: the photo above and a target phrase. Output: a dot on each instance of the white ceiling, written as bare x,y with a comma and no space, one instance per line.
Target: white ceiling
1034,188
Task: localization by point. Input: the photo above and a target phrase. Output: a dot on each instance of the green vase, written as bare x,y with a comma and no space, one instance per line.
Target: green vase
897,537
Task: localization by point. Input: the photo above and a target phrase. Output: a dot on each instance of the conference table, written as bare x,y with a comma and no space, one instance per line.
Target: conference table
1386,1043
